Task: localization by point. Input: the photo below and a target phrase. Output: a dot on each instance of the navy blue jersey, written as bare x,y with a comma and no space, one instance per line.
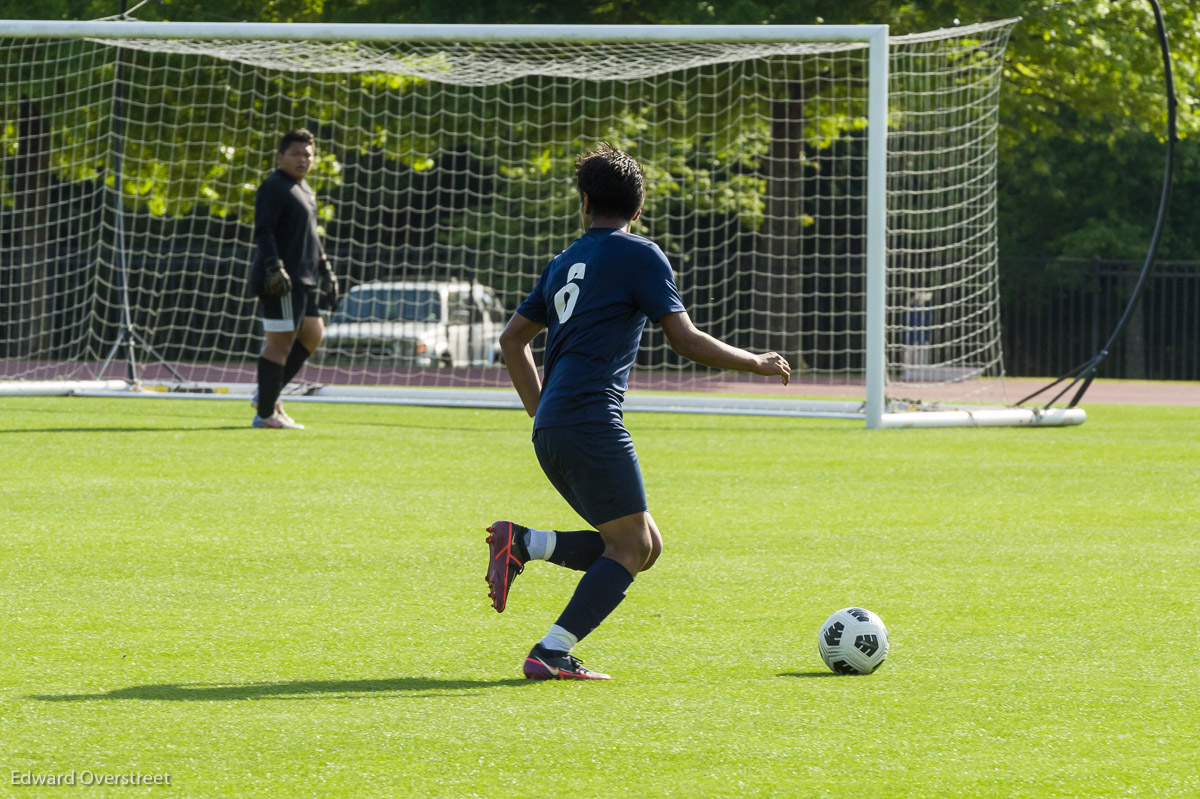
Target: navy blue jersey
594,299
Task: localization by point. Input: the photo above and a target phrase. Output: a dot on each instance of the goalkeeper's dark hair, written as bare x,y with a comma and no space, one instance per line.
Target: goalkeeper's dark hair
612,179
297,135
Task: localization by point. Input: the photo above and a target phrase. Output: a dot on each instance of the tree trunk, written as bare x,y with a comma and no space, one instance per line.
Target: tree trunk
777,277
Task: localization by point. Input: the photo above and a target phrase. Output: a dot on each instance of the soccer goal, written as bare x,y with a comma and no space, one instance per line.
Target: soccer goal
824,191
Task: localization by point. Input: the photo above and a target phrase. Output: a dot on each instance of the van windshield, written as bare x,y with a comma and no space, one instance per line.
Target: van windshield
389,305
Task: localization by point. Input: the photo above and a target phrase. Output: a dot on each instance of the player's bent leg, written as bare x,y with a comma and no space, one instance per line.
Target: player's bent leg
656,543
507,559
633,541
576,549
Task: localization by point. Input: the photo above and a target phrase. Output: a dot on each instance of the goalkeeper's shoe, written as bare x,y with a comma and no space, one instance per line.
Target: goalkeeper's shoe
508,558
288,421
548,664
279,414
272,422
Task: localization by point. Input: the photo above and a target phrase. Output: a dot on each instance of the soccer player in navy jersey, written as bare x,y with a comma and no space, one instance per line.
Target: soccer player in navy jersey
289,269
593,301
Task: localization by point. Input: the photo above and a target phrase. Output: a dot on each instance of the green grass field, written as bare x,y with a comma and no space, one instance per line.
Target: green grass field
262,613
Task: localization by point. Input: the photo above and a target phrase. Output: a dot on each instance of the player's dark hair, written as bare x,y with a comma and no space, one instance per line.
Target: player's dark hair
612,179
298,135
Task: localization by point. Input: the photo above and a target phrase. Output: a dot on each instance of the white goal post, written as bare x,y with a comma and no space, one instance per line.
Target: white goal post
824,191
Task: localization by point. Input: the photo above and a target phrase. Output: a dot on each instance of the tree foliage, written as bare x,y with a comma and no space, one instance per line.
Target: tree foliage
1083,106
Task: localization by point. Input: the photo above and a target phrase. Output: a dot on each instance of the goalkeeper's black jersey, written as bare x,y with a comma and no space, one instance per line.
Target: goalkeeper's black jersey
285,227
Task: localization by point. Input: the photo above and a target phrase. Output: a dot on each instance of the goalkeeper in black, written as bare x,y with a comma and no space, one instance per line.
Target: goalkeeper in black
290,275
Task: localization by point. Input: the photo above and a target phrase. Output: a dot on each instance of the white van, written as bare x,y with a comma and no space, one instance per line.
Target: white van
416,323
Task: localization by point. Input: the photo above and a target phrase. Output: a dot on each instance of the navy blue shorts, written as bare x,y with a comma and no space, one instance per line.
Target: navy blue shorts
594,467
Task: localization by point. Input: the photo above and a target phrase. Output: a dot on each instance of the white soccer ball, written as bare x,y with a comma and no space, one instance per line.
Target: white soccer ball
853,641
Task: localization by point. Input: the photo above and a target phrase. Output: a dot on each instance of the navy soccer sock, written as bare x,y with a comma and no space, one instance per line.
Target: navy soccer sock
295,362
599,592
576,549
270,383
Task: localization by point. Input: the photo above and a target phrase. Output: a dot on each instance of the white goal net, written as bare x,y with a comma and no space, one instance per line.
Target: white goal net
445,182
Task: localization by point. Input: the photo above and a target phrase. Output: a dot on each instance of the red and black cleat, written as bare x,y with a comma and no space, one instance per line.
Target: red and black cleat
505,562
545,664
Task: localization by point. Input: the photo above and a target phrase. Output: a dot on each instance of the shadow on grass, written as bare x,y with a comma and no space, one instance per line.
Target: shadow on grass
808,674
436,427
304,689
192,429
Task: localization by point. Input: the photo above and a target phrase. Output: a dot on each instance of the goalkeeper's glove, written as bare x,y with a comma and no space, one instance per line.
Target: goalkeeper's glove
278,281
329,287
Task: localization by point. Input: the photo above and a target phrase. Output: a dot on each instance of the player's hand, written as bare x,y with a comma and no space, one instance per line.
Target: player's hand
772,364
278,281
329,287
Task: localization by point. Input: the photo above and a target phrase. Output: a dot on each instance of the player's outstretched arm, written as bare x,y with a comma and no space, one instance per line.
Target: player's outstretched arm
695,345
518,359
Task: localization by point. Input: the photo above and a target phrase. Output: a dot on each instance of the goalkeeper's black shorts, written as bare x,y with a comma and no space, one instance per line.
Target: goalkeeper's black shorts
285,314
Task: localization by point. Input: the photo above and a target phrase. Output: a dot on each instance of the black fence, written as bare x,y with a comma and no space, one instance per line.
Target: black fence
1057,313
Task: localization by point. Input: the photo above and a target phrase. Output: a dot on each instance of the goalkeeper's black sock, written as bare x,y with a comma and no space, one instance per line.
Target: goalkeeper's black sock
576,549
270,383
295,363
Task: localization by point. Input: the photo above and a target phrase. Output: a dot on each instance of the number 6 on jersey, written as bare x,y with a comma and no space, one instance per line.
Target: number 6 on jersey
565,297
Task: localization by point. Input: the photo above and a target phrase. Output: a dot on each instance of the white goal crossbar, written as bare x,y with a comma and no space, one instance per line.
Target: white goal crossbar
445,34
893,348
